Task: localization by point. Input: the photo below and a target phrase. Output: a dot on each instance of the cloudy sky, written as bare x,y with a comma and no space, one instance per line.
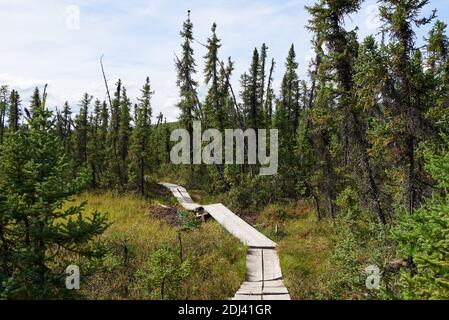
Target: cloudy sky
60,42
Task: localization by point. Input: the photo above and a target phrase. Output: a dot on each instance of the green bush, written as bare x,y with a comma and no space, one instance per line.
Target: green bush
424,237
162,274
360,243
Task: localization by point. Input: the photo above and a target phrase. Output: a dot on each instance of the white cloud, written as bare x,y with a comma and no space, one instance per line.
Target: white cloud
138,38
20,83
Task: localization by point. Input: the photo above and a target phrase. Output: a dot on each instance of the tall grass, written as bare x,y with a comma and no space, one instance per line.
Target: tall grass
217,259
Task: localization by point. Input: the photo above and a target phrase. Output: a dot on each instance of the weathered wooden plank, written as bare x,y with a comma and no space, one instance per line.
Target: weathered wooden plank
182,196
169,186
250,288
271,265
274,290
256,288
274,284
185,196
238,227
247,297
276,297
179,197
254,265
190,206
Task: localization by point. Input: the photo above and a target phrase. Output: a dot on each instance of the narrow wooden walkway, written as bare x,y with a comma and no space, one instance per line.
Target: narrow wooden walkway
238,227
263,270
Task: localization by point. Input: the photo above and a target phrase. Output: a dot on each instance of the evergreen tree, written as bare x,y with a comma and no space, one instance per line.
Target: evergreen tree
81,130
262,76
158,143
113,157
36,233
269,98
328,24
438,64
288,105
124,136
244,95
438,48
370,73
407,94
3,109
423,237
35,102
141,138
66,126
213,107
103,138
14,111
286,121
253,109
187,85
319,132
95,144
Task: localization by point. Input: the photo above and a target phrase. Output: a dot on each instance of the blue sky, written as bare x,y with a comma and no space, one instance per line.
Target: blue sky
41,44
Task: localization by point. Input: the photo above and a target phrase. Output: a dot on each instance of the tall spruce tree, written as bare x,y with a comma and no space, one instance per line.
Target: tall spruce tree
81,130
319,131
141,138
213,107
286,121
187,85
103,139
328,24
35,102
407,94
288,108
262,78
269,97
14,111
3,109
67,129
114,169
253,109
124,136
95,144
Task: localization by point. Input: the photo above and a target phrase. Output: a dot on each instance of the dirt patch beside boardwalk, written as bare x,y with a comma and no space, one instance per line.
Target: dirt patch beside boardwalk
248,217
168,214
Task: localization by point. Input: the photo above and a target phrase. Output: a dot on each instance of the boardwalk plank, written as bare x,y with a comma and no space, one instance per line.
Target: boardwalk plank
250,288
254,265
238,227
276,297
271,266
190,206
274,290
247,297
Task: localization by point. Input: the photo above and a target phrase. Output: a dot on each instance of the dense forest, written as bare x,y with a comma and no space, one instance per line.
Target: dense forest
363,174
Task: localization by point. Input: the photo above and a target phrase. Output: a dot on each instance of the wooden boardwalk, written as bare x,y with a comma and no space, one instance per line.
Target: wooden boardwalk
263,270
263,277
238,227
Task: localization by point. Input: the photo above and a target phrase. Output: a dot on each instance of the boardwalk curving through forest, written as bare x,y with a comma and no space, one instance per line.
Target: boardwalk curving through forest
264,279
